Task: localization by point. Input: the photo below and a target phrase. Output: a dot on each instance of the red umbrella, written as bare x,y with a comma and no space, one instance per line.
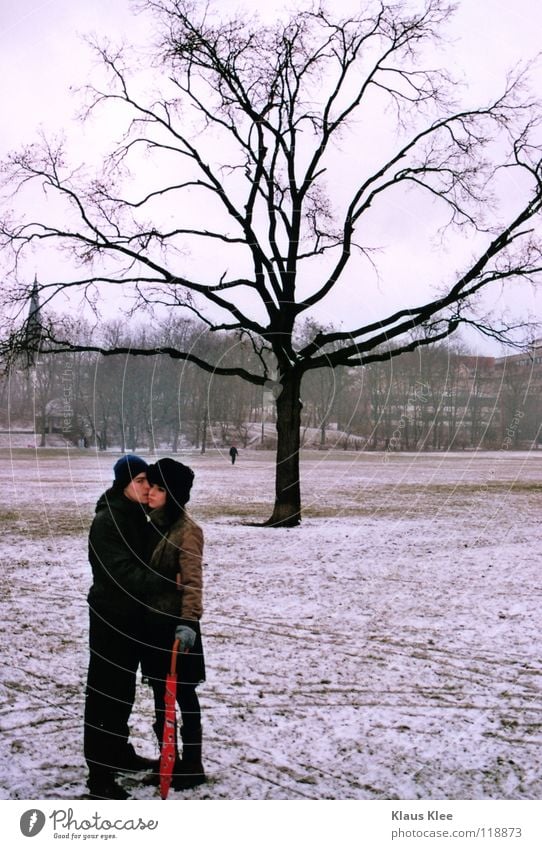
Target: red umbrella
168,748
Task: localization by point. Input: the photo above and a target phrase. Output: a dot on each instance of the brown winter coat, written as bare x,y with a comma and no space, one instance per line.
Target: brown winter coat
174,597
176,563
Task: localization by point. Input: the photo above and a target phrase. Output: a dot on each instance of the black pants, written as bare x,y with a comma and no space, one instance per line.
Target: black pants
190,671
188,702
115,654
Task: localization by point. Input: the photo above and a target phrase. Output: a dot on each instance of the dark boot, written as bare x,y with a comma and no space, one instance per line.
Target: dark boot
129,761
102,785
189,772
153,779
185,774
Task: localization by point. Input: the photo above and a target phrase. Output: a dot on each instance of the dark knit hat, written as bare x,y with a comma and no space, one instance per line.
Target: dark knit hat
174,477
127,468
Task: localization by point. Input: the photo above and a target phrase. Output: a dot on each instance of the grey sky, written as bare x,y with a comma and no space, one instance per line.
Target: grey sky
42,53
43,57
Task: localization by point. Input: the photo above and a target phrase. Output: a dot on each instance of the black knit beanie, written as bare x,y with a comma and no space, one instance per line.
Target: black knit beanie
175,478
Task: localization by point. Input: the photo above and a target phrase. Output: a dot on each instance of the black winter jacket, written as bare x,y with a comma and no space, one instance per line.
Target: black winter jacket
117,547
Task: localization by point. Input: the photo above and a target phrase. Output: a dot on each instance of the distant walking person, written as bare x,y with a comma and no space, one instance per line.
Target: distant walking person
117,548
233,454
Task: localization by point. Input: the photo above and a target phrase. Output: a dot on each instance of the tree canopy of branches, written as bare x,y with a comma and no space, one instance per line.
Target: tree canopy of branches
233,159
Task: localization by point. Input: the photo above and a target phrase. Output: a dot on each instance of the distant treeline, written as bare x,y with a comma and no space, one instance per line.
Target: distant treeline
436,398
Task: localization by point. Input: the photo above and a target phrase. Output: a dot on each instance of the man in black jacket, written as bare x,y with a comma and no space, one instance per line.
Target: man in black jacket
116,607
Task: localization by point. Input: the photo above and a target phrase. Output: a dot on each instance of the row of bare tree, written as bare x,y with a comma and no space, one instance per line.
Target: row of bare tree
442,398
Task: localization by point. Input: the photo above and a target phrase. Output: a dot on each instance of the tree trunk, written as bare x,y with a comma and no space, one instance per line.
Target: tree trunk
322,433
204,431
287,509
43,427
175,439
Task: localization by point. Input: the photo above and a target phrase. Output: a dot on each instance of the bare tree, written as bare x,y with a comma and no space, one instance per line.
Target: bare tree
245,128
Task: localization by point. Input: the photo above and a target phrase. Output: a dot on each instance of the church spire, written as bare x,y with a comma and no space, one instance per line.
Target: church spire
33,328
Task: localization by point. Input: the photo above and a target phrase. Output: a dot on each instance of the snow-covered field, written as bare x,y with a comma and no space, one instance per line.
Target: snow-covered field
388,648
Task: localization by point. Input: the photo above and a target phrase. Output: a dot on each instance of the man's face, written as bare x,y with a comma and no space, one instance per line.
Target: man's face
138,489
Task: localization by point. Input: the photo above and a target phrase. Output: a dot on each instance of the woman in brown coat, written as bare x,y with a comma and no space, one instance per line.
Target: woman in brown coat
174,608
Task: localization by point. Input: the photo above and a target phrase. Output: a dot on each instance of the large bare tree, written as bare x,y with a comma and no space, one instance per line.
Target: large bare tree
233,162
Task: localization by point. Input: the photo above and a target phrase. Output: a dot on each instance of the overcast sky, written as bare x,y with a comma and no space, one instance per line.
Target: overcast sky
42,52
43,57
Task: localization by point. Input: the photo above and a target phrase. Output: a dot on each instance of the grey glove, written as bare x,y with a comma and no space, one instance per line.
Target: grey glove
187,637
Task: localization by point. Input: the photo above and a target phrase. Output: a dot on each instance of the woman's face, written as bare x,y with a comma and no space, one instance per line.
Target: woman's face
157,496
